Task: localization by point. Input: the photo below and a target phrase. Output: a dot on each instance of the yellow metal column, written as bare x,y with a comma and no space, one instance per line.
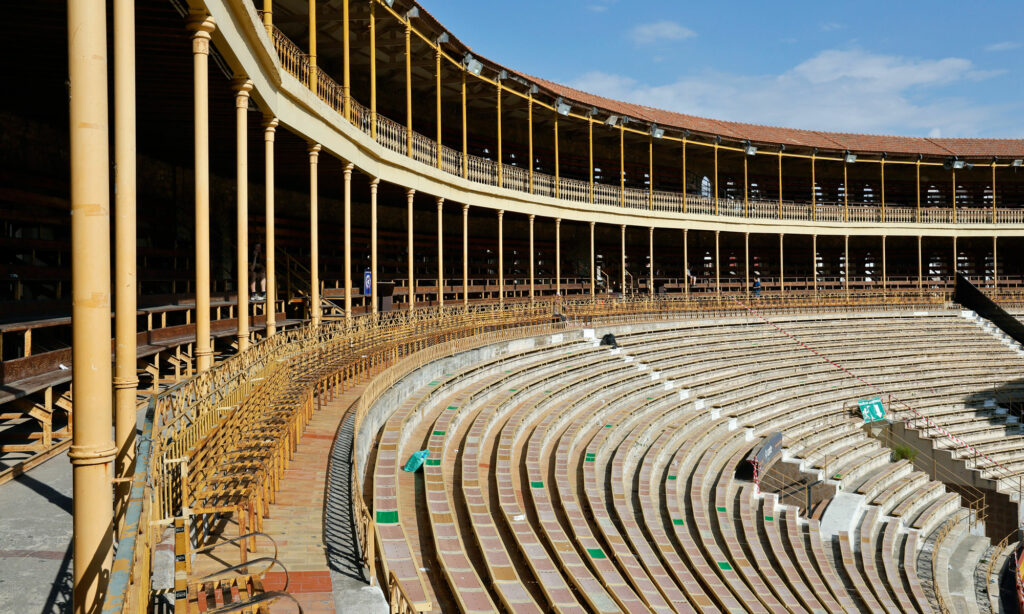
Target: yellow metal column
532,256
269,126
408,89
501,257
529,136
440,252
622,164
686,261
716,178
593,273
956,259
782,264
650,260
846,264
995,262
993,192
202,25
126,280
814,188
746,263
373,244
885,277
684,178
346,84
437,87
846,193
373,72
920,271
347,273
242,88
312,47
558,256
498,83
590,153
314,239
718,277
465,255
746,189
623,287
465,138
882,165
918,192
780,184
409,195
557,181
92,450
268,17
814,261
954,196
650,173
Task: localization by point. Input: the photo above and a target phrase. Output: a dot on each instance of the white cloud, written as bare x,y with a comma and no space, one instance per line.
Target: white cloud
838,90
646,33
601,5
1003,46
831,26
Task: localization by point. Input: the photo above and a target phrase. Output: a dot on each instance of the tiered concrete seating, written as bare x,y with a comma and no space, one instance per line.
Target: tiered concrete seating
587,484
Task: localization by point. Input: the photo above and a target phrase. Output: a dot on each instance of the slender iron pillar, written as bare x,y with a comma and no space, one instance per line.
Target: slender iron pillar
718,276
126,281
373,71
593,272
650,260
346,83
529,137
409,195
314,239
920,267
373,244
242,88
501,257
746,261
558,181
347,274
408,90
437,103
995,258
312,46
440,252
92,450
623,275
465,256
684,181
885,278
202,26
558,256
814,261
498,119
846,263
782,264
686,260
268,17
269,126
532,255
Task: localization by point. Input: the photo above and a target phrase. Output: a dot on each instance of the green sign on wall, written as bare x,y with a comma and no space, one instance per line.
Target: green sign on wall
872,410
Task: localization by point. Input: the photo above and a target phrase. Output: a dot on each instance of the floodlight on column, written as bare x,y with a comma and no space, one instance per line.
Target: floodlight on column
473,65
613,120
749,149
443,38
1017,163
412,13
562,107
657,132
849,158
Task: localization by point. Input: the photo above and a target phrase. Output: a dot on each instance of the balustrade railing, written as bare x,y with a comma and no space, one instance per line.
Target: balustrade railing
393,136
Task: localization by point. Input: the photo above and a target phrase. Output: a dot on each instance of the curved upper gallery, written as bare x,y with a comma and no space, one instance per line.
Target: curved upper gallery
391,83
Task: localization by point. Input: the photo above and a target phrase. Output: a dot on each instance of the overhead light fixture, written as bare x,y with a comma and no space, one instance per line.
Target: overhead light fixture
749,149
534,89
613,120
502,75
473,65
412,13
592,112
561,107
657,132
390,3
850,158
442,39
959,164
1017,163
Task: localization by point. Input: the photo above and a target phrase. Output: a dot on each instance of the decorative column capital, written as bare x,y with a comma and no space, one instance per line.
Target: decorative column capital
532,216
95,454
501,213
465,209
314,152
201,25
269,126
241,86
440,202
374,181
410,193
558,221
592,224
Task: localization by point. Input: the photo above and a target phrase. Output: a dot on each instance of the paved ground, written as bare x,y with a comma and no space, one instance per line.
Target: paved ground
35,540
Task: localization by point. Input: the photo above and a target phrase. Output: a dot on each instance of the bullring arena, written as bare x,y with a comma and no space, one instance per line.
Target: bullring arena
307,307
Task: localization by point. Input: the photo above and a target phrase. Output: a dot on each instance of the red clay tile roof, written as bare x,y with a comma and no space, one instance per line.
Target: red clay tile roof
773,135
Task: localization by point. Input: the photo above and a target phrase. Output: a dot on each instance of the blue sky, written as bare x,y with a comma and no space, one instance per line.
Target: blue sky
905,67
